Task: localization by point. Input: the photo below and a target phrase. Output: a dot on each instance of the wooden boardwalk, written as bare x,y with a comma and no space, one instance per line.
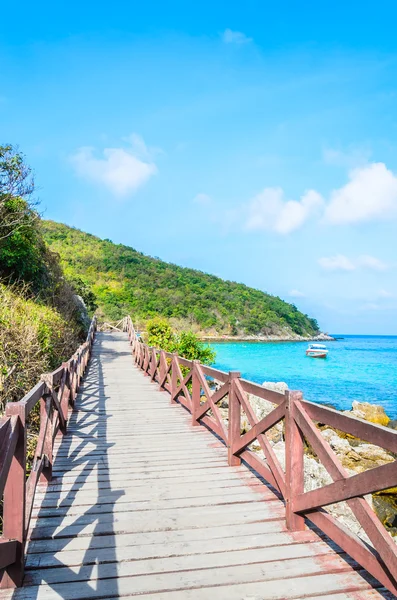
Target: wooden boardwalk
144,503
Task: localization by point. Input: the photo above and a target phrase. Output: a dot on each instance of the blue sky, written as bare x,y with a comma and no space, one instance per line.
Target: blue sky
256,141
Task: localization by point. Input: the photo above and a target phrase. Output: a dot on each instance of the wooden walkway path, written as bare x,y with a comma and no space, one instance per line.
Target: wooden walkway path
144,503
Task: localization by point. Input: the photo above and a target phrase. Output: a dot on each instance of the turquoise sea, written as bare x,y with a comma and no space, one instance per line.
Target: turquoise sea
362,368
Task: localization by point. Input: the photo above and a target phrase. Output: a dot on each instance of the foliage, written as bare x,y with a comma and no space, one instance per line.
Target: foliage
191,348
185,343
34,338
16,183
124,281
160,335
83,290
22,248
40,321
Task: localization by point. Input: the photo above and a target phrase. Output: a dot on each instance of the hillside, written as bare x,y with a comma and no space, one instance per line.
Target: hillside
41,320
124,280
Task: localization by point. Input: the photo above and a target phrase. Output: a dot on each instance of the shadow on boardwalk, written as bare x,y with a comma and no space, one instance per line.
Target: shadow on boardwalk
88,423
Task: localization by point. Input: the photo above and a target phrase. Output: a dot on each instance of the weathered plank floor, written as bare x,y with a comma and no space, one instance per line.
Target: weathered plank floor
143,503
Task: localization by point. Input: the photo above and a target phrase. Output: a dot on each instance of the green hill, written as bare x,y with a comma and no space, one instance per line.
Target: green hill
123,280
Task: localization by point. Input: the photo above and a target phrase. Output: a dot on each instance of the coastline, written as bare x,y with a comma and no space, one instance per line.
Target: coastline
322,337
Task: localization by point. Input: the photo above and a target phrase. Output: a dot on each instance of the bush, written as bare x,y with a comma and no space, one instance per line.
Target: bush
185,343
190,347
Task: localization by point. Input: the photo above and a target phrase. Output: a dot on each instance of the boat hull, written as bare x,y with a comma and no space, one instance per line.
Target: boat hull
318,354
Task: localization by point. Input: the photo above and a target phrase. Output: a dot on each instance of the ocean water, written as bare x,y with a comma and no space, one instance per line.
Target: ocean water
362,368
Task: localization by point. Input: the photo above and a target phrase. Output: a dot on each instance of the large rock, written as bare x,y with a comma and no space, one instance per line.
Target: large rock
275,386
385,505
82,311
359,457
370,412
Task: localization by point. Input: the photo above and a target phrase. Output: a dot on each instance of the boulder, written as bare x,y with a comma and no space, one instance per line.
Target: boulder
370,412
275,386
359,457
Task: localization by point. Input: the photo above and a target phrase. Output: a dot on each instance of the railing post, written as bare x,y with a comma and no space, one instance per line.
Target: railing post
15,501
45,414
154,363
64,393
196,389
234,419
174,378
162,369
294,467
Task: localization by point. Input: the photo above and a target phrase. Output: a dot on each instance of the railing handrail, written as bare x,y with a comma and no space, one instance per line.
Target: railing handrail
55,391
173,374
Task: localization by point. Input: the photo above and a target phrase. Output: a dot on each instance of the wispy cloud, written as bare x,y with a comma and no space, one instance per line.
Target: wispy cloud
385,294
296,294
370,262
336,263
270,210
235,37
122,170
352,157
339,262
202,199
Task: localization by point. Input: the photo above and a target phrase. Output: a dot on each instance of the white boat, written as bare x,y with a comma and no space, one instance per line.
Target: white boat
317,351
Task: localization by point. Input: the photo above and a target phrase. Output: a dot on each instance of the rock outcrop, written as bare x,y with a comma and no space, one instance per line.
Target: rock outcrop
369,412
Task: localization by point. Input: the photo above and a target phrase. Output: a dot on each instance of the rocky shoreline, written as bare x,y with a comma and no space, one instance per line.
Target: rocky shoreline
290,337
354,454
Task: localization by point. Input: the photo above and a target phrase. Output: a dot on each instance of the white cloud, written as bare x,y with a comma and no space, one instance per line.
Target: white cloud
370,194
121,170
370,262
235,37
336,263
269,210
342,263
296,294
202,199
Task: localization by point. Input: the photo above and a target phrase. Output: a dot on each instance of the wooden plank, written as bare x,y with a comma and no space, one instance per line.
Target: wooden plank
154,520
171,536
134,493
125,504
297,576
86,556
172,564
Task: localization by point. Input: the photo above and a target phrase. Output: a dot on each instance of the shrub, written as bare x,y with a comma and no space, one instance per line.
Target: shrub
185,343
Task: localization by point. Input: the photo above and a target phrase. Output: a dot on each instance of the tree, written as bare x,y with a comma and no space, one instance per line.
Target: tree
16,190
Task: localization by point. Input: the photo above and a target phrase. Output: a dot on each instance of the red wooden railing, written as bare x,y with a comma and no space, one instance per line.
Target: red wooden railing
55,391
173,373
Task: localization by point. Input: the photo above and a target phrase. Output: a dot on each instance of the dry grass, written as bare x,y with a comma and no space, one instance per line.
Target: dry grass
34,338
